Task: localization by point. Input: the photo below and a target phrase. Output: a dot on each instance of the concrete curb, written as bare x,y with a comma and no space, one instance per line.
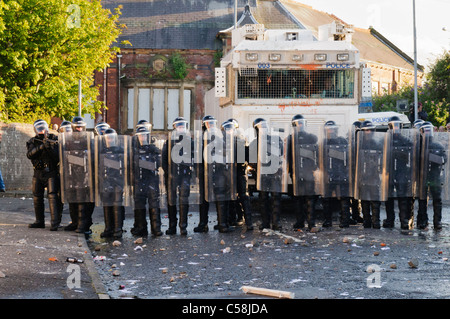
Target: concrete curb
97,283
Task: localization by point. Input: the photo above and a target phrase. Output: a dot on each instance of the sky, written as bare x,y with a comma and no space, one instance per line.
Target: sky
394,20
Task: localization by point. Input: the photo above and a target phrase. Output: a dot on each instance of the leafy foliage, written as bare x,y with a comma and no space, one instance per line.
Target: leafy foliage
46,46
178,65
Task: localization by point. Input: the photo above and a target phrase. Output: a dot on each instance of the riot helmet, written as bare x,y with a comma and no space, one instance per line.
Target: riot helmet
395,124
144,123
101,127
180,125
299,121
40,127
228,126
331,129
208,122
234,121
143,136
65,127
418,123
260,123
111,138
427,129
367,125
78,124
356,125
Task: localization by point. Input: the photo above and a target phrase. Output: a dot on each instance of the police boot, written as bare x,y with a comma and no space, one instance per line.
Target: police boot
140,223
222,216
311,213
404,213
376,215
345,213
118,221
437,214
109,222
327,213
82,220
172,213
203,216
73,216
39,209
356,215
247,214
55,217
155,221
264,210
390,214
184,211
422,214
367,219
276,211
300,213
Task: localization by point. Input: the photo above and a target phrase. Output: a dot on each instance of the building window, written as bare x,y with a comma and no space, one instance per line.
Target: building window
158,105
296,84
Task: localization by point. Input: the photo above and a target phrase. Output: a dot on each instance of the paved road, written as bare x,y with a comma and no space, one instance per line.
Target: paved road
329,264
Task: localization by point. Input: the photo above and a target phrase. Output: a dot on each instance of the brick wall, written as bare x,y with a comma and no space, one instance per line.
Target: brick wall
16,168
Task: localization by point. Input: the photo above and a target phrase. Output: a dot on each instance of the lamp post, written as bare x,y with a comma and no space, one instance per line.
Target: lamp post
416,98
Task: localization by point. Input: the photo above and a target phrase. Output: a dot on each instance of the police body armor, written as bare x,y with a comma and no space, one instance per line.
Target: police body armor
305,162
112,171
272,172
76,167
220,166
336,164
371,176
147,176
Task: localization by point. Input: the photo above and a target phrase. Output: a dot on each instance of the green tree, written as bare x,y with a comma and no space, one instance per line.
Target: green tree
46,46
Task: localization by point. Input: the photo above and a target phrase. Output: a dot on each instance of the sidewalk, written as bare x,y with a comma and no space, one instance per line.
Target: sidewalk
33,261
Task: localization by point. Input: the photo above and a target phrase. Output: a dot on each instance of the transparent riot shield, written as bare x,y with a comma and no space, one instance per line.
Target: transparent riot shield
336,162
435,169
76,167
112,171
272,172
371,178
403,163
219,156
306,178
147,175
183,186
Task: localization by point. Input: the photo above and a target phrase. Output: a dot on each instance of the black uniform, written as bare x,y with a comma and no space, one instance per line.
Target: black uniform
178,181
306,202
44,155
146,181
400,175
337,181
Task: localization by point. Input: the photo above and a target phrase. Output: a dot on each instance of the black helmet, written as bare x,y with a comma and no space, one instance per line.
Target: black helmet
143,135
331,129
180,122
234,121
40,127
367,125
395,124
259,123
65,126
227,126
299,121
78,124
144,123
110,137
427,128
418,123
101,127
209,121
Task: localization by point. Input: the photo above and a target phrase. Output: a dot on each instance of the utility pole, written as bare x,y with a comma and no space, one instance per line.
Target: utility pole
79,97
416,98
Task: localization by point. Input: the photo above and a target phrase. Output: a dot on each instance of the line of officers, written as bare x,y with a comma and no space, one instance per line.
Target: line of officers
352,169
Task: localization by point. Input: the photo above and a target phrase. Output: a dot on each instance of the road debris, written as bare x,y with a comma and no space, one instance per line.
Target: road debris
268,292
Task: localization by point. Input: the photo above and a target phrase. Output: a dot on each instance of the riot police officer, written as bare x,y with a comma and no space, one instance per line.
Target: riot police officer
111,181
403,159
241,207
433,160
355,204
304,162
336,175
268,184
42,150
371,182
179,174
146,181
208,121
